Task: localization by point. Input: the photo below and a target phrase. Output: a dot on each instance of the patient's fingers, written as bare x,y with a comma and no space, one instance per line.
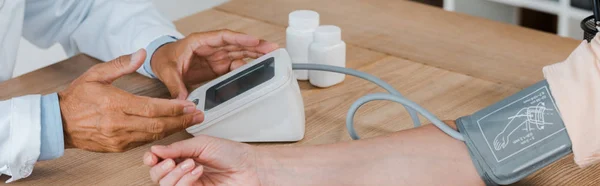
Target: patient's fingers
191,177
150,159
189,148
176,174
161,169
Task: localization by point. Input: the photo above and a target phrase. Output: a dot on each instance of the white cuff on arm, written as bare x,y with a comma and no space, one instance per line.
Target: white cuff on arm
52,137
146,69
20,144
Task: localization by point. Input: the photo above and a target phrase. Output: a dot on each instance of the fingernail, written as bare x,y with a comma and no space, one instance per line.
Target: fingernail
167,165
189,109
197,170
148,158
186,165
136,56
198,118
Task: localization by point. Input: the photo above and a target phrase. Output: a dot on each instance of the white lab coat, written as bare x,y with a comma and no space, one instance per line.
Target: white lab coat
104,29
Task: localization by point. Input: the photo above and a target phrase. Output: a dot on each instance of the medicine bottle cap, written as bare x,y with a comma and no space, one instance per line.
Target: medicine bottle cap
304,19
327,34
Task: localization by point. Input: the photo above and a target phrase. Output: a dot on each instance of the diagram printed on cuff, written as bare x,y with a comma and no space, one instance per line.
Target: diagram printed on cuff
527,119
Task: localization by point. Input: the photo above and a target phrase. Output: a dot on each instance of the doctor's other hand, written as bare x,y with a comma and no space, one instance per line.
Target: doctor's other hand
204,56
100,117
205,160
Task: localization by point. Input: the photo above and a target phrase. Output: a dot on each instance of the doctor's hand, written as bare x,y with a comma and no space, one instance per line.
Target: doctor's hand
100,117
204,161
204,56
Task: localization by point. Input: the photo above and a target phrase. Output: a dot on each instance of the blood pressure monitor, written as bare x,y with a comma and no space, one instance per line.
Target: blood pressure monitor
258,102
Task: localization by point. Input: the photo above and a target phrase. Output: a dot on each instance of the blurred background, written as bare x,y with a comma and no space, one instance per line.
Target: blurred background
31,58
561,17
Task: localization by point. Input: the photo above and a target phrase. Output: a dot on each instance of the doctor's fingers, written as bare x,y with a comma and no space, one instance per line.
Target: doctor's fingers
263,47
221,38
155,107
237,64
157,128
232,55
207,43
215,54
112,70
123,141
243,55
173,80
238,58
224,62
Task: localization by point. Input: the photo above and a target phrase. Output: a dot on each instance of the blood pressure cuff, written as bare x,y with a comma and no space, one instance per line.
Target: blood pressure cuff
517,136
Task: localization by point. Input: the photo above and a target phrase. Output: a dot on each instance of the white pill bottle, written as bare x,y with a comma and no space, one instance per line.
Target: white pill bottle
327,48
299,35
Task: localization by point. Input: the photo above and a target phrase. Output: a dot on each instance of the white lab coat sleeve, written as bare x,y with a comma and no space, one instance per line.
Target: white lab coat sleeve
19,136
104,29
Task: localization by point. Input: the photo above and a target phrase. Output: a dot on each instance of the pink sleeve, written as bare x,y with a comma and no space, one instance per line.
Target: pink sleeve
575,84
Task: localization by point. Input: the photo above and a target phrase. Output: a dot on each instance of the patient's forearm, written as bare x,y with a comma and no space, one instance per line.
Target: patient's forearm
420,156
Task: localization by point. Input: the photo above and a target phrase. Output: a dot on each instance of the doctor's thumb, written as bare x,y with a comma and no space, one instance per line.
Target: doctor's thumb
112,70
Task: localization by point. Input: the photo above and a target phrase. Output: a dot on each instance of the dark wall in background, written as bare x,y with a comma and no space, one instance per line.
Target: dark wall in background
438,3
539,20
529,18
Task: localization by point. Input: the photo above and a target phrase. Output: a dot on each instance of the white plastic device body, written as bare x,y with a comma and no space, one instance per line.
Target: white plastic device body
270,111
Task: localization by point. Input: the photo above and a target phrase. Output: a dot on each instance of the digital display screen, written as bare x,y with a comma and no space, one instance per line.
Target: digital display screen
239,83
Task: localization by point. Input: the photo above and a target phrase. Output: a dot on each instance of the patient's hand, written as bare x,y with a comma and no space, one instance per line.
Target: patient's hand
204,160
204,56
420,156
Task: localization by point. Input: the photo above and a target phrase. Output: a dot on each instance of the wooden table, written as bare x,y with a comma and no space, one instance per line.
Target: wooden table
450,63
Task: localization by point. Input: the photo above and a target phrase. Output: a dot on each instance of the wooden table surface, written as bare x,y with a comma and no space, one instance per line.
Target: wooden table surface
452,64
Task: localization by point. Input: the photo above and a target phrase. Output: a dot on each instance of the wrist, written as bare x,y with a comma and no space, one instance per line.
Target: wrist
316,165
158,51
66,136
268,166
161,55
